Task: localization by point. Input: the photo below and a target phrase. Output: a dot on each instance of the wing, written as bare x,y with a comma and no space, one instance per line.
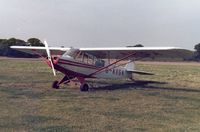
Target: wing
104,53
40,50
119,52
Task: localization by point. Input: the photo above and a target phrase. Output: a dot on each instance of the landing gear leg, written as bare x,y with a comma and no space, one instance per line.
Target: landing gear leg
65,80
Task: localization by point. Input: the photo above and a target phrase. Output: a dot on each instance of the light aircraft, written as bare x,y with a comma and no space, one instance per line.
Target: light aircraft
83,63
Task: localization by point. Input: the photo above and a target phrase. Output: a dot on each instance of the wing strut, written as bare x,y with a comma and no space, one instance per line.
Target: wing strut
103,68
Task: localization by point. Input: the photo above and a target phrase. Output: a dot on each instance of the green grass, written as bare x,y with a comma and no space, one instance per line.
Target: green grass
168,101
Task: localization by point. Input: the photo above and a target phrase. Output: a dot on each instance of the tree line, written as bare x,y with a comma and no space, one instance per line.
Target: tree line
5,49
5,44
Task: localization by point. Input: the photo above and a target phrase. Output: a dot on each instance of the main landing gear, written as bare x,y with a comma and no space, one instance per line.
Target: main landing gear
65,80
84,87
55,85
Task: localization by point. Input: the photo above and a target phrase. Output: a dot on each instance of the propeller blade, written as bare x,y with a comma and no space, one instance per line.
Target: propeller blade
49,57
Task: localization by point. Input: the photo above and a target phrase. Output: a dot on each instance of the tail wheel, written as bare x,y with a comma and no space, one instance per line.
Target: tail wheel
55,85
84,87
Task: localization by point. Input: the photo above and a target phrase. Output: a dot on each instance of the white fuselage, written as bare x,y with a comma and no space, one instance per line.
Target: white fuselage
78,67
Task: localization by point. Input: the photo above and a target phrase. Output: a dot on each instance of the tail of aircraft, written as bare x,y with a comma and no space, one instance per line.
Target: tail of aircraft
130,67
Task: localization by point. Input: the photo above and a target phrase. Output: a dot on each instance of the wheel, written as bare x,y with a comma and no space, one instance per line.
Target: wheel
84,87
55,85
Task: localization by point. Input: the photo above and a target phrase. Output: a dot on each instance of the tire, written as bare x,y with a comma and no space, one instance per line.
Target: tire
84,87
55,85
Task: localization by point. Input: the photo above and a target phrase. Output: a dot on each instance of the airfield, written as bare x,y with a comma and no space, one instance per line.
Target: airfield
167,101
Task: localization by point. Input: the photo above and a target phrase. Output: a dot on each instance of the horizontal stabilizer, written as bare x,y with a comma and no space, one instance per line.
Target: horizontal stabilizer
140,72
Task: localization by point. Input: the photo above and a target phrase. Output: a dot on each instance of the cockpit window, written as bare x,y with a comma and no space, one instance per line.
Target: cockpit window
83,57
99,63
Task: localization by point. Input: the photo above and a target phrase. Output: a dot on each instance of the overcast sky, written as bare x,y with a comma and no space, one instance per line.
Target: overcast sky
97,23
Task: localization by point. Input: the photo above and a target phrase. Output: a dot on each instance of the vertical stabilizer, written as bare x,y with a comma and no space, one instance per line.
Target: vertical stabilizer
130,66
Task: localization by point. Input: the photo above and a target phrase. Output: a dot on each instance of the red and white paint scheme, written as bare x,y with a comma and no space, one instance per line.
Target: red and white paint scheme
82,63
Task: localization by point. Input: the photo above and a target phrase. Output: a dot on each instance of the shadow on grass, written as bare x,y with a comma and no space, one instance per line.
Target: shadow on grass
143,85
54,129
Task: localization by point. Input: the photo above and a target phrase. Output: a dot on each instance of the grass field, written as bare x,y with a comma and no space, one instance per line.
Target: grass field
168,101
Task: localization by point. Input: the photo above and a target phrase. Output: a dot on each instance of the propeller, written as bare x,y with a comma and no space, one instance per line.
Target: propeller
49,57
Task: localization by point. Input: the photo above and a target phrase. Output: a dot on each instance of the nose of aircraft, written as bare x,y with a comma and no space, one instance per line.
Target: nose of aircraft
55,59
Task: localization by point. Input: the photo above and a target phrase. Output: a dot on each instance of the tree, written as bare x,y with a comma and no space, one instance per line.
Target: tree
197,52
197,48
34,42
137,45
5,44
2,40
5,49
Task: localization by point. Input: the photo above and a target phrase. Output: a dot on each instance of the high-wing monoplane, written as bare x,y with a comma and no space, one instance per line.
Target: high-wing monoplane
83,63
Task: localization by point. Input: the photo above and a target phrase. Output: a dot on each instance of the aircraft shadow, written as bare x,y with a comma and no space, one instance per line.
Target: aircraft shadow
142,85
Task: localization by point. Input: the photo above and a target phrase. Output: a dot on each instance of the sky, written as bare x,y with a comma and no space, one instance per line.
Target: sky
103,23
